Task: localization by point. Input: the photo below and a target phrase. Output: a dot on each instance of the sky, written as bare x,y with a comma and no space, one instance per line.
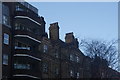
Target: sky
87,20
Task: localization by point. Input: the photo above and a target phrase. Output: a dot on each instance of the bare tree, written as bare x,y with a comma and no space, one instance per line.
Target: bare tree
105,50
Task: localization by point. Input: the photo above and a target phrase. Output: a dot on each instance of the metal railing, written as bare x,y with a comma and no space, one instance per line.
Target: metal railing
27,48
29,6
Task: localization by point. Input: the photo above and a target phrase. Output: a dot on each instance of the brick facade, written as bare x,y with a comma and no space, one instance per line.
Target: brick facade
28,52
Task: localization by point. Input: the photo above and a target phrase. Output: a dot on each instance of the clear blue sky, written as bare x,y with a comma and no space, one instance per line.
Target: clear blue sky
90,20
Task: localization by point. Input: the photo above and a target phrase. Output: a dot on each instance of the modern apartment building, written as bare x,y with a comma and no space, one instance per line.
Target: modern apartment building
22,31
26,52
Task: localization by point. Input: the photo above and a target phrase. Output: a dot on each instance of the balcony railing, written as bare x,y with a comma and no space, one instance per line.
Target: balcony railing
26,73
24,48
27,52
29,7
28,34
30,15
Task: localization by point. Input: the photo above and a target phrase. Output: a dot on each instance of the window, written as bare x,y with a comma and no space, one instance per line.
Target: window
45,48
45,67
5,15
18,8
5,59
77,59
103,75
21,66
17,26
19,45
78,75
71,73
56,71
22,27
6,38
71,57
5,20
56,54
28,29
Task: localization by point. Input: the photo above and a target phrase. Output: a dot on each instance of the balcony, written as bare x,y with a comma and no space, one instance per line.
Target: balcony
17,73
27,52
26,66
29,6
28,36
32,17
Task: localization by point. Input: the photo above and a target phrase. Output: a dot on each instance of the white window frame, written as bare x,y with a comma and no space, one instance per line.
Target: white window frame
6,38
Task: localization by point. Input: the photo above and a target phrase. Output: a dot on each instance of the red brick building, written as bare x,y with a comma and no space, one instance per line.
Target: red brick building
27,52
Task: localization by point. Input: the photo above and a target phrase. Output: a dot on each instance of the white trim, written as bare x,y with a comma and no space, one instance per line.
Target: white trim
27,56
24,75
28,18
28,37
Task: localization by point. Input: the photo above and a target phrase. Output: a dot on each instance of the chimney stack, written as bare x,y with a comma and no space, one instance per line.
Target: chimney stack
69,37
54,31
